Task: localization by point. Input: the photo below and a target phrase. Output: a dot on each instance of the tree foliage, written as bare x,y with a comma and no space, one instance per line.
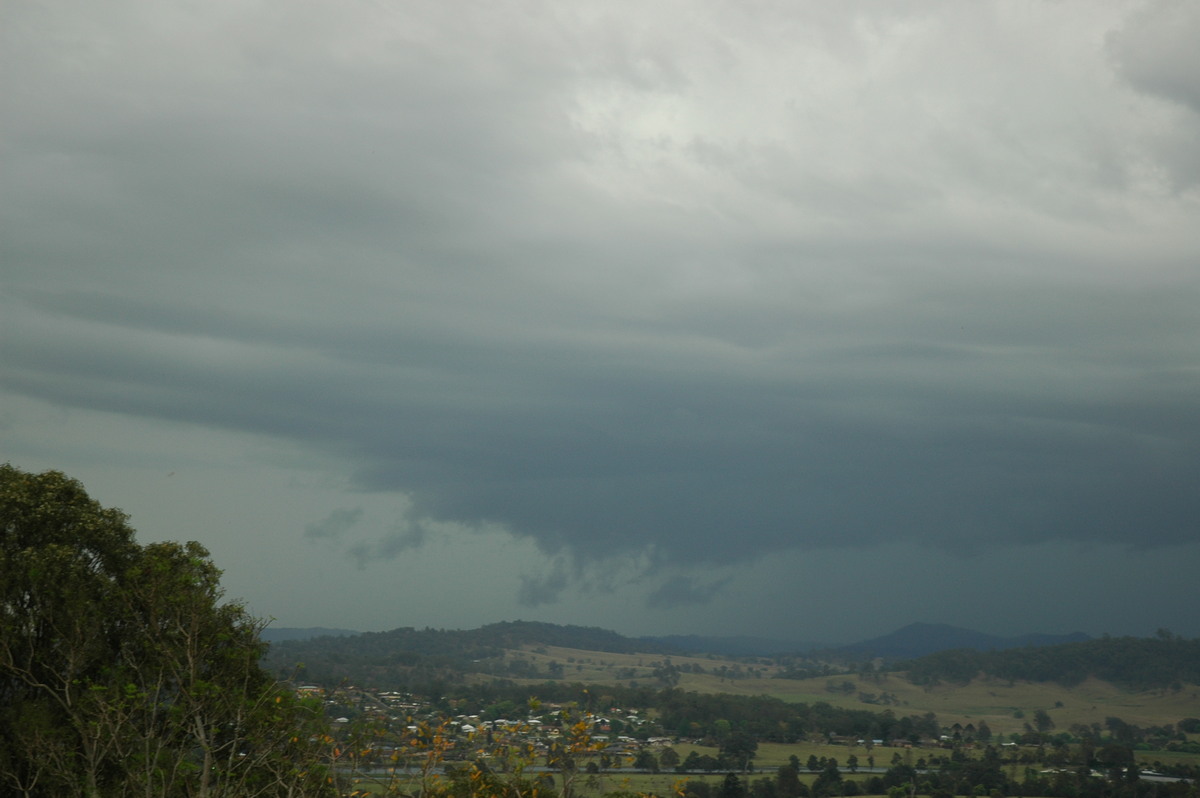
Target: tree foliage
121,670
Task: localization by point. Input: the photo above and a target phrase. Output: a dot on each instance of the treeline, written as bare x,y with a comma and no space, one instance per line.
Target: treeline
687,714
1163,662
1099,774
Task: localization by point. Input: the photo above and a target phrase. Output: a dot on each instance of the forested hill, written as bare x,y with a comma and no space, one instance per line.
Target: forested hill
513,634
407,653
735,646
1136,663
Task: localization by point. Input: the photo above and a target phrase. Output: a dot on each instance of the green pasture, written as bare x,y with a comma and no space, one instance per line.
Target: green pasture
773,755
770,757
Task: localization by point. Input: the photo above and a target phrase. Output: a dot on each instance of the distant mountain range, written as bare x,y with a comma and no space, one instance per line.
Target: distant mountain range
740,646
922,639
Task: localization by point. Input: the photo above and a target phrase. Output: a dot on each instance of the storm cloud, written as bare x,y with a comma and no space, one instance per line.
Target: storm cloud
338,522
684,286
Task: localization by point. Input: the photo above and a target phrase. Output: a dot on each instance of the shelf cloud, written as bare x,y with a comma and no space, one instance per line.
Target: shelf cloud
688,286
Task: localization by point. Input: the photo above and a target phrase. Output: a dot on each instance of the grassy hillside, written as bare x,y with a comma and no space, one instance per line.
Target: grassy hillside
1005,706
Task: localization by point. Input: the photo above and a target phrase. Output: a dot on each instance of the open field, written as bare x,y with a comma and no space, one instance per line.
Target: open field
773,755
601,667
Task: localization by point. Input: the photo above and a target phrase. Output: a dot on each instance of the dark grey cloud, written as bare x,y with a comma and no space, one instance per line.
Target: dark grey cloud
989,437
544,588
685,295
684,590
403,537
335,525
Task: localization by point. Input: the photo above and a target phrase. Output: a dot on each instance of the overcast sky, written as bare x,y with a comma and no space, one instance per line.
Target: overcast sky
799,319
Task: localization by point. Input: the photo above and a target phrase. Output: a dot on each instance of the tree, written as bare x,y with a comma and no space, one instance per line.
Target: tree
830,779
574,743
763,788
121,672
738,750
787,782
732,787
645,760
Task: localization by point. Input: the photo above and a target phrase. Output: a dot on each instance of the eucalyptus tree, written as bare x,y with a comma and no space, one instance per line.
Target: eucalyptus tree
123,671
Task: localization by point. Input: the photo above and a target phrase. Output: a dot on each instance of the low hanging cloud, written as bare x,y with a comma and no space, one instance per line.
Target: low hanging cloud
544,588
405,536
684,590
690,287
335,525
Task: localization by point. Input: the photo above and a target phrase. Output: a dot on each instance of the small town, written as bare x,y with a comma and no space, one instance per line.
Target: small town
398,741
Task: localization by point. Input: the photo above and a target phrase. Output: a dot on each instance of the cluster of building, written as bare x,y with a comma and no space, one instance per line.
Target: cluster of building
539,729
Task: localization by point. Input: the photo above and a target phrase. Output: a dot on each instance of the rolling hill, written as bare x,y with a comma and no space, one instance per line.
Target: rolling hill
1146,681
